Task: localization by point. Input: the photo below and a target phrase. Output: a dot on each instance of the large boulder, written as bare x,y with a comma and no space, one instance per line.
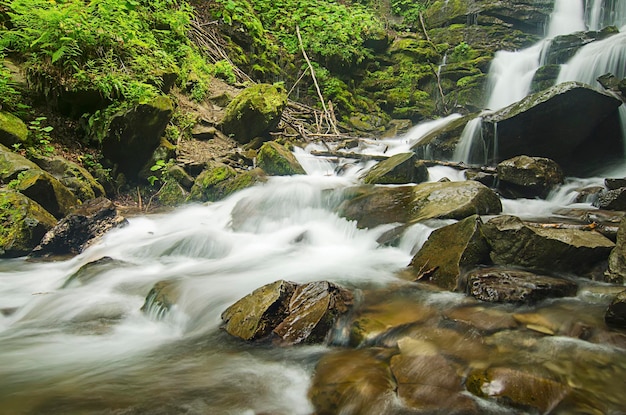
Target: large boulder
563,47
295,313
12,130
277,160
133,135
72,176
400,168
373,206
81,227
573,124
449,250
499,285
23,223
256,111
612,199
530,177
514,243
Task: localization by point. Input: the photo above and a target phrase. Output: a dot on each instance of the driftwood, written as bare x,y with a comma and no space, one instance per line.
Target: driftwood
340,154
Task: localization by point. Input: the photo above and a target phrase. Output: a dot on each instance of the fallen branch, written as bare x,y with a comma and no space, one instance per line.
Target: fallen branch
340,154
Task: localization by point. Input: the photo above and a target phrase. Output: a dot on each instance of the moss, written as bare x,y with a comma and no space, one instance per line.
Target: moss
12,129
23,224
46,190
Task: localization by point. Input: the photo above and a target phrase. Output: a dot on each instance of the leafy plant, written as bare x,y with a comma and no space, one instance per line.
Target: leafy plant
161,167
41,135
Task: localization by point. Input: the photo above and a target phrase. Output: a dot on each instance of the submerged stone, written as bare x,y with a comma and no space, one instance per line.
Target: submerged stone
161,298
92,269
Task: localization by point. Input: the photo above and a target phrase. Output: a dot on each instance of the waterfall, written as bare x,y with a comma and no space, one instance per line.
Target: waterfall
602,13
469,143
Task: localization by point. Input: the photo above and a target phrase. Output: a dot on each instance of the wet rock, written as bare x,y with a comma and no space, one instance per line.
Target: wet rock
563,47
616,313
373,206
161,298
80,228
397,169
528,177
71,175
513,243
295,313
484,319
313,309
260,106
613,184
513,286
450,249
12,130
612,199
571,123
544,78
92,270
46,190
23,222
428,381
353,382
441,142
520,388
277,160
132,136
257,314
616,271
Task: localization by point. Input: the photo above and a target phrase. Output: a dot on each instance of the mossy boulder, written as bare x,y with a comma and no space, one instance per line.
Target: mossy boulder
415,49
563,47
46,190
277,160
513,243
254,112
373,206
12,130
71,175
133,135
23,223
449,251
544,78
219,180
12,164
401,168
441,142
161,298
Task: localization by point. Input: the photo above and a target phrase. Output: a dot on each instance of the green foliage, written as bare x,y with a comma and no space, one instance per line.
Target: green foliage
410,9
10,97
462,52
123,48
41,134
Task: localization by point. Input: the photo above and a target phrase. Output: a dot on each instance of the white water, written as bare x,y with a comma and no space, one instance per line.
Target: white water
471,137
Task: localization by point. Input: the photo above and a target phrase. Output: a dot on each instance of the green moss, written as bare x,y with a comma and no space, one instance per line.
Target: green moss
12,130
276,160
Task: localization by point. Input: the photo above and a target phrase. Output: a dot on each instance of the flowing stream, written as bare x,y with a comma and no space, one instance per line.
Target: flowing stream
82,345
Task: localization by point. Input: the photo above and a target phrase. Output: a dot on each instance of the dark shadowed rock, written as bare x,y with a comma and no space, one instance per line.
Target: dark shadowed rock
616,313
81,227
73,176
612,199
571,123
46,190
514,286
132,136
257,314
513,243
373,206
397,169
450,249
313,309
613,184
616,271
23,222
522,388
529,177
277,160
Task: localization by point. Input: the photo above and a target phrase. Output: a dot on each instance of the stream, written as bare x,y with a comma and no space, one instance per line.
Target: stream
82,345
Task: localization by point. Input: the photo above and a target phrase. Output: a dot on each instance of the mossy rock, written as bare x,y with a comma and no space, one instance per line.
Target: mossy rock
23,223
449,250
418,50
12,164
12,130
76,178
398,169
544,78
132,136
254,112
277,160
161,298
219,180
46,190
172,193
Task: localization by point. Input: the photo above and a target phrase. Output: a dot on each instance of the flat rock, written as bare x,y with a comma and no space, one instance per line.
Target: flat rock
528,177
